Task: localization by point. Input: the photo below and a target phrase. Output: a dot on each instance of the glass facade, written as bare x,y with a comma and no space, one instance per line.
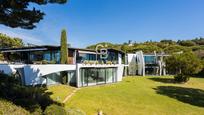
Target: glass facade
113,57
94,76
55,78
71,78
151,65
45,55
82,57
150,59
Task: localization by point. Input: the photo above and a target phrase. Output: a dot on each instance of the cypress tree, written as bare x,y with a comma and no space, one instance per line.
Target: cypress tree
64,54
63,48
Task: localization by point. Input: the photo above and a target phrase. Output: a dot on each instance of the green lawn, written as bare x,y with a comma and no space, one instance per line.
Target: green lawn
59,92
142,95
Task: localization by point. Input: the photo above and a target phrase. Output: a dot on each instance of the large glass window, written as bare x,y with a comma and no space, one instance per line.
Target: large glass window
47,56
53,78
109,75
36,56
150,59
71,78
93,76
82,57
113,56
84,80
101,75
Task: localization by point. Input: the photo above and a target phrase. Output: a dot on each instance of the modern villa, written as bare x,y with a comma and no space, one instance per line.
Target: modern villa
40,65
37,65
146,64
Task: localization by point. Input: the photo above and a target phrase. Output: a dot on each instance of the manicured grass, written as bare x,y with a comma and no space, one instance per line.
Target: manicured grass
59,92
142,95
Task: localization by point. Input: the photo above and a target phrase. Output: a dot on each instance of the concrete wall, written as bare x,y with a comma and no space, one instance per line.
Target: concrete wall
33,73
140,62
9,69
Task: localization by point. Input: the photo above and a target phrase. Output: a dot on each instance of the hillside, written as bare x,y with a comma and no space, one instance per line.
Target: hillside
7,108
168,46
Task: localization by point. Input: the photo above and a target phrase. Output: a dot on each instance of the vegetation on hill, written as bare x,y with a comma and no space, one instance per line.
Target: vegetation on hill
9,42
167,46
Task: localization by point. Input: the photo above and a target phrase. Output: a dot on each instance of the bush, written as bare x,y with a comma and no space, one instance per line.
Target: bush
7,108
29,104
33,99
73,111
55,110
181,78
186,63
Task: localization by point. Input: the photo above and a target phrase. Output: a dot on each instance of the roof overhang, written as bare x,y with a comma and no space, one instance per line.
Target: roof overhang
24,50
86,52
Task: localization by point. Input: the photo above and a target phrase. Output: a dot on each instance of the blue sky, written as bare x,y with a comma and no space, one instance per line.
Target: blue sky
117,21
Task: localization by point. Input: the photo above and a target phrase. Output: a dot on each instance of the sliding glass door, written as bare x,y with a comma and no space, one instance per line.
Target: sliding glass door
101,77
94,76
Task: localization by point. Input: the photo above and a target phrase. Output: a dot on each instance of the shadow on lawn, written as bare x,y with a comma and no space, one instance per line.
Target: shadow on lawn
163,80
33,99
187,95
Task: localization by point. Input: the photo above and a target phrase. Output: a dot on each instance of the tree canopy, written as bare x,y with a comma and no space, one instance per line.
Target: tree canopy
17,13
185,63
9,42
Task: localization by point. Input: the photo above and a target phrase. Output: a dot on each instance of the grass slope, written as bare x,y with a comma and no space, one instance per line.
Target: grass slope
59,92
7,108
142,95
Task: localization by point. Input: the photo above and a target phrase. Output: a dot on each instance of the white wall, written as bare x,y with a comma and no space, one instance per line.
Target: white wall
9,69
119,58
120,72
33,73
140,61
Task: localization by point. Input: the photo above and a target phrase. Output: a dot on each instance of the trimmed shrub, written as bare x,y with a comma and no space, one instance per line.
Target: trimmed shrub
55,110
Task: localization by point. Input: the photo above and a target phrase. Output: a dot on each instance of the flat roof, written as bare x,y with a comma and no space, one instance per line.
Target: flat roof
48,47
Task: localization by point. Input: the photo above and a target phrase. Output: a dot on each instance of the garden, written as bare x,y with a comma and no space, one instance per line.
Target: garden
142,95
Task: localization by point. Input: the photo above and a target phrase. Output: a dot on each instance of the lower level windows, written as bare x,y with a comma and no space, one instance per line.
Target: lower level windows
94,76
